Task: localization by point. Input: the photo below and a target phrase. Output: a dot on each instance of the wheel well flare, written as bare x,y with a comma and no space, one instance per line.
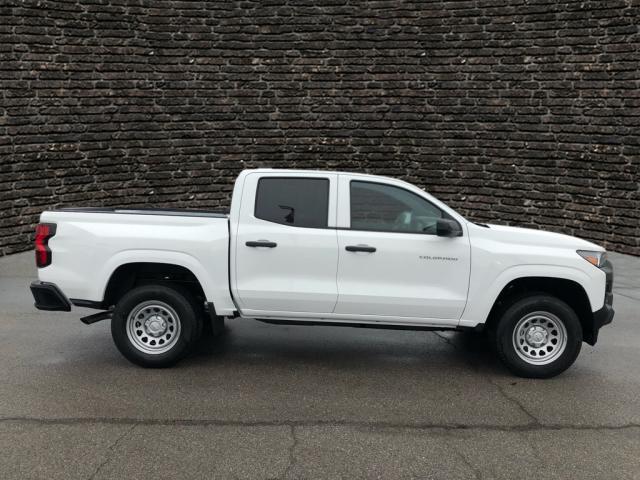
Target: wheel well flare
131,275
569,291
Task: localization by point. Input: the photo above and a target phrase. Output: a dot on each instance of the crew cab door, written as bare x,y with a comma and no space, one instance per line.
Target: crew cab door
391,261
286,251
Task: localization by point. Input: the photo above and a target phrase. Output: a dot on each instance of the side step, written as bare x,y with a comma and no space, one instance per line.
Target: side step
381,326
96,317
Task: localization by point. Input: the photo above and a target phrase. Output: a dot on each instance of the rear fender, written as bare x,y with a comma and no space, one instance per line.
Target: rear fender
213,291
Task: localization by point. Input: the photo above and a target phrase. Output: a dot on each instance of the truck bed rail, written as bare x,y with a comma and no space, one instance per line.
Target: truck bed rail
147,211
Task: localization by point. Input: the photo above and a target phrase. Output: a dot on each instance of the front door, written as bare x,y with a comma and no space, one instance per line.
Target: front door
286,251
391,262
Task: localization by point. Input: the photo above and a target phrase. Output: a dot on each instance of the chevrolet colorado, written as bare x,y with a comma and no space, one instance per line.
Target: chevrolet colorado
316,247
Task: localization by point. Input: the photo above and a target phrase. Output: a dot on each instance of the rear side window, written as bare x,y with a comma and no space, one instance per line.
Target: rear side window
298,202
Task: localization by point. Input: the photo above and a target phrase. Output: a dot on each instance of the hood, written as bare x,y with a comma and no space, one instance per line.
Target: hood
540,238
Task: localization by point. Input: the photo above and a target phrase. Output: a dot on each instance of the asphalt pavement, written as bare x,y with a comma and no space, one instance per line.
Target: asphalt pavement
318,402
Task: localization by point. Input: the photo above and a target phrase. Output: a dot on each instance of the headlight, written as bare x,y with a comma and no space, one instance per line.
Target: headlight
596,259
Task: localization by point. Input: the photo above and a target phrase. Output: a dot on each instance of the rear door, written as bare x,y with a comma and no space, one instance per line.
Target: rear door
286,245
392,264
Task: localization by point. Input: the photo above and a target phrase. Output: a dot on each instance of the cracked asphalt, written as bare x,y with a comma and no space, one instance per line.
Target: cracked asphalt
317,402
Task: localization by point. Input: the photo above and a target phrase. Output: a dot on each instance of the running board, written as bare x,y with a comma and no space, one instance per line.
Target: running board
381,326
96,317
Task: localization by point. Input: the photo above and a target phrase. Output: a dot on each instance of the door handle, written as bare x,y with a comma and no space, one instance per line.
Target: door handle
261,243
360,248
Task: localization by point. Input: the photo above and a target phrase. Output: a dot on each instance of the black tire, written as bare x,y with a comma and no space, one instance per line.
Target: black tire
536,318
159,304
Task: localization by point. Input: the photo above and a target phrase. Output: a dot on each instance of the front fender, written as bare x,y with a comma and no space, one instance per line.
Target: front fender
482,296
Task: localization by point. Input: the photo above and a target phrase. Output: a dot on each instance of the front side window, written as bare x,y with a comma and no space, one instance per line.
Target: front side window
386,208
297,202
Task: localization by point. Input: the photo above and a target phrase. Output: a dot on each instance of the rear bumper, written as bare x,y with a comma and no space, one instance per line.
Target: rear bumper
49,297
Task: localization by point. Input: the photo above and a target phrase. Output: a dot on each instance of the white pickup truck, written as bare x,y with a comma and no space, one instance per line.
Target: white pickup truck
315,247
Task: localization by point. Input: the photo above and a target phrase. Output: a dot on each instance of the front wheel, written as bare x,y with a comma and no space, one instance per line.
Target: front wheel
155,325
538,336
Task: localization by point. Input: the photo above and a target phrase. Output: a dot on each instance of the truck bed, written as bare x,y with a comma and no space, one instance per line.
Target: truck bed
91,243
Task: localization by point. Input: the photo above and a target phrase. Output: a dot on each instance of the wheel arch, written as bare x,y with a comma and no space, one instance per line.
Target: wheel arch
569,291
129,261
132,274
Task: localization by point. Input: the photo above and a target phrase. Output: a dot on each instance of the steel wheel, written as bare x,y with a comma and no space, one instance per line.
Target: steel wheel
539,338
153,327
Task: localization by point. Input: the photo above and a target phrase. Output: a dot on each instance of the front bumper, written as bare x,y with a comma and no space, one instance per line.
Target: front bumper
604,316
49,297
601,317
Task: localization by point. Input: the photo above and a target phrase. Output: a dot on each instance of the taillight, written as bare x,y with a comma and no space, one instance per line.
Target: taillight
44,231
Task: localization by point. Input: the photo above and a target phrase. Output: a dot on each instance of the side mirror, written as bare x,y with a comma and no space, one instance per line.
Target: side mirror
448,228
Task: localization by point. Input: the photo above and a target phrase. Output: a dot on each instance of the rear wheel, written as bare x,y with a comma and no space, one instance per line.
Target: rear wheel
538,336
156,325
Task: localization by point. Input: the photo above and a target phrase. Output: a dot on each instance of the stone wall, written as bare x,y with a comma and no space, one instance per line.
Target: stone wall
523,112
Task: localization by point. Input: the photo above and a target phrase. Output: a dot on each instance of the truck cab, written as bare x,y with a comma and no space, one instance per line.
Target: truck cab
346,247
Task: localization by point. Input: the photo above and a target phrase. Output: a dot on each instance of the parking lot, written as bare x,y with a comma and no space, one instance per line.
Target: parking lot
319,402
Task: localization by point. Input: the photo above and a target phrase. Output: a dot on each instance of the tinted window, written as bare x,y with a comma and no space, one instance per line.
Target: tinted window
375,206
299,202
